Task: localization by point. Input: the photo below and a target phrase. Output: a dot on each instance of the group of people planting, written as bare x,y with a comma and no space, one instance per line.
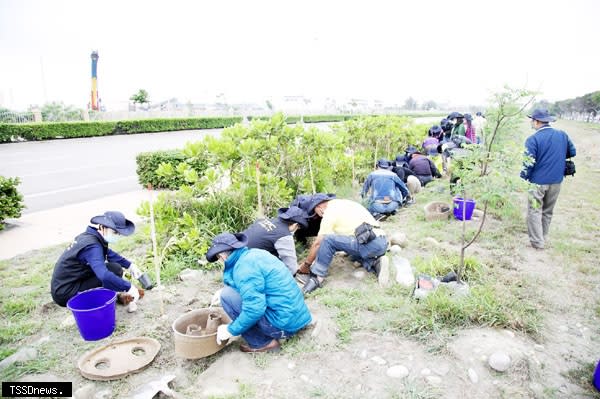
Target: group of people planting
264,283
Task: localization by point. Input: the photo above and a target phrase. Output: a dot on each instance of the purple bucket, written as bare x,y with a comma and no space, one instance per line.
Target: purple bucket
95,313
597,377
458,208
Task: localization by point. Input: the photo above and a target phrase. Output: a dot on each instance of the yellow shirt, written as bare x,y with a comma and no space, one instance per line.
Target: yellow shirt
343,216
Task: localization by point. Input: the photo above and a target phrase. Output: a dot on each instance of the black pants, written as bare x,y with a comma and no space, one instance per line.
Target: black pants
84,285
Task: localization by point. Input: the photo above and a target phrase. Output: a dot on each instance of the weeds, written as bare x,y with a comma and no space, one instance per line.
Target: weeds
583,376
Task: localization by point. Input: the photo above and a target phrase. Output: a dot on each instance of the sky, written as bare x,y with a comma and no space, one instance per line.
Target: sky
457,52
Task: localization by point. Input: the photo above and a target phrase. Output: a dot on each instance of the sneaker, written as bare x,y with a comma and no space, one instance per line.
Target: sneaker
410,201
301,278
311,285
381,217
272,346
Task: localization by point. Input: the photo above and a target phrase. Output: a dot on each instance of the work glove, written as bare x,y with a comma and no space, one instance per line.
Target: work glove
135,271
216,298
134,293
223,333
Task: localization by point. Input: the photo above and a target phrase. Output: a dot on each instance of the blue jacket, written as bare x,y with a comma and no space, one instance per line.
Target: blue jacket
549,148
384,183
267,289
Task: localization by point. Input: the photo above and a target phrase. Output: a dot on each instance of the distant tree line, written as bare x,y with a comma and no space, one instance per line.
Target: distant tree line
586,107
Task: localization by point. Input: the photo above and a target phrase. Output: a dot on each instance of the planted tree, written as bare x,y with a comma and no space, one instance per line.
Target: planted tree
489,172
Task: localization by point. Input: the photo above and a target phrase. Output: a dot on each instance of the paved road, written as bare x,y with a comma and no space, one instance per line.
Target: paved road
60,172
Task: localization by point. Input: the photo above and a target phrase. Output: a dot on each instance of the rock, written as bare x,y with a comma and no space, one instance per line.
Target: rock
398,371
394,249
359,274
473,376
190,275
433,380
85,392
537,389
379,360
425,372
477,214
404,271
22,355
538,347
363,354
461,289
304,378
104,394
563,328
509,333
43,340
431,241
291,365
67,322
499,361
441,369
399,238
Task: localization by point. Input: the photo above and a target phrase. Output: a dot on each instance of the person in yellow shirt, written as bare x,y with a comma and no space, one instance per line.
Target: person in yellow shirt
345,226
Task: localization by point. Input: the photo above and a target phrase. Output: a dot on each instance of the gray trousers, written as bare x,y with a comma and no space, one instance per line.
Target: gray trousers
542,199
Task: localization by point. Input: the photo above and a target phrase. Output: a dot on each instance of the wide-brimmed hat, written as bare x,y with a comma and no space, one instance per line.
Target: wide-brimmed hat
455,115
225,242
468,117
383,163
435,129
315,200
116,221
412,150
293,214
542,115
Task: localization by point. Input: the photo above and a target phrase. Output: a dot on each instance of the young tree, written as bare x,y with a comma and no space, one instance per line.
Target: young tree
486,172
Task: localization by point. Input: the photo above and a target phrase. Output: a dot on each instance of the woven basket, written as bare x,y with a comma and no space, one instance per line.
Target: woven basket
437,211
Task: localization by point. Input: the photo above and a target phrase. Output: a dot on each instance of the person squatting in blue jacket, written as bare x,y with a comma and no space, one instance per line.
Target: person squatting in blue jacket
387,190
260,295
549,148
89,263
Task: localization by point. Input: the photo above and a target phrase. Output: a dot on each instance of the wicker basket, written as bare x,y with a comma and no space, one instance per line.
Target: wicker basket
437,211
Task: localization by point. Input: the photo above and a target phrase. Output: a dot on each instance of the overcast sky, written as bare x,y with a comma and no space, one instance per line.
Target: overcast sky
455,51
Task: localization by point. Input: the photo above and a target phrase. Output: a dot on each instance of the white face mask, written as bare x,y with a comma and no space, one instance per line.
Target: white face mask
111,237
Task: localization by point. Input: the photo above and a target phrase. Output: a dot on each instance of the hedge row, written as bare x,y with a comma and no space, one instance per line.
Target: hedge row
44,131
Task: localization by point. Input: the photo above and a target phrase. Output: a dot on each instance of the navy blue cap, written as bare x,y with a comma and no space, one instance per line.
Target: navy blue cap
542,115
293,214
225,242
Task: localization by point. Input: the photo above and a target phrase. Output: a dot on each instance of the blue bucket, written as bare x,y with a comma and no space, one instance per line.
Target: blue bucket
596,379
459,203
95,313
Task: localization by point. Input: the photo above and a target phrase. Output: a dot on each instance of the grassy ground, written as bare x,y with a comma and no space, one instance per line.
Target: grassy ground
547,299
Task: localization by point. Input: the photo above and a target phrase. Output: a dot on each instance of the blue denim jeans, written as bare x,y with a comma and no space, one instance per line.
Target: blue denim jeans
364,253
377,207
259,334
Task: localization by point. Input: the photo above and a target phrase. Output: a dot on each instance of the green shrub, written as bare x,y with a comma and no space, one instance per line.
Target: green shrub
11,202
148,163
